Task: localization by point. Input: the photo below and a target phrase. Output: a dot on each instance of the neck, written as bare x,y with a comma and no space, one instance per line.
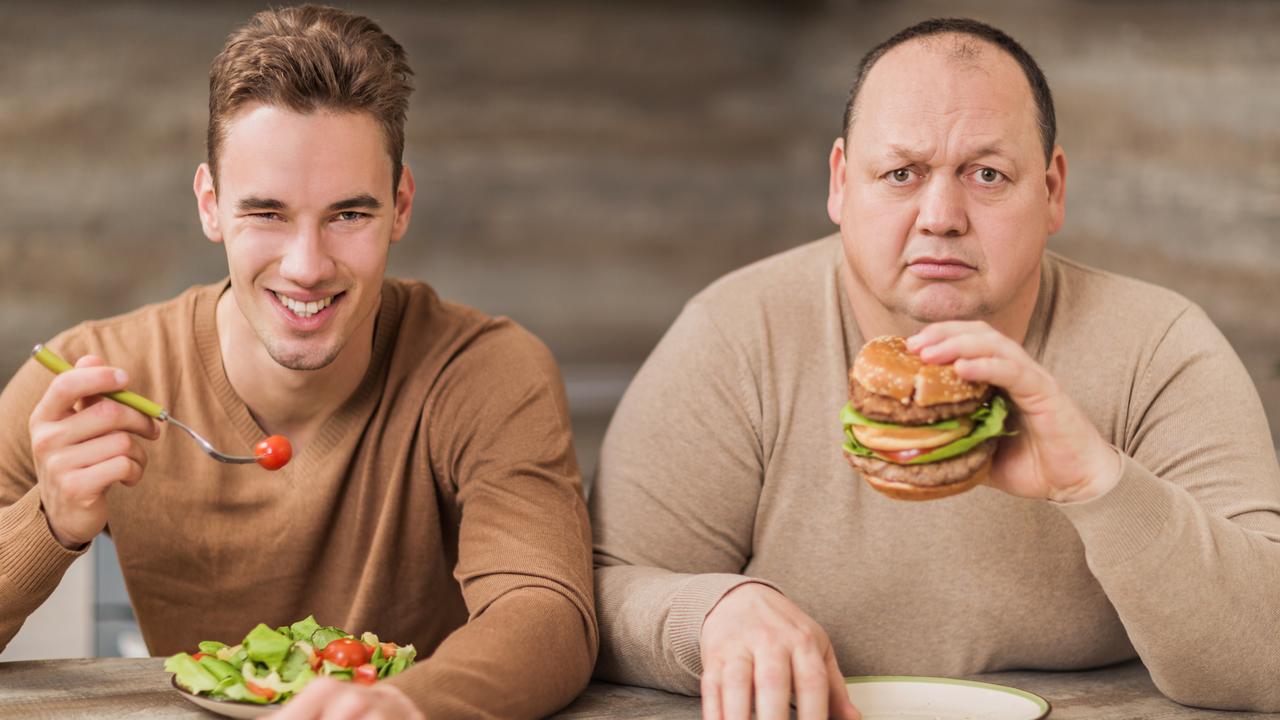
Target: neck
874,319
293,403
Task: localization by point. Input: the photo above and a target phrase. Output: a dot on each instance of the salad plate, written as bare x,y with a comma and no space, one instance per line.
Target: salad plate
905,697
270,666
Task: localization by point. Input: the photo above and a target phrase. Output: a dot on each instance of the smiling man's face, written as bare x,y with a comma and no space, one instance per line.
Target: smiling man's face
305,209
941,192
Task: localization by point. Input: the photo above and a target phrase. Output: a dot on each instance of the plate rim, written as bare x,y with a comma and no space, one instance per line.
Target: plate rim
1041,703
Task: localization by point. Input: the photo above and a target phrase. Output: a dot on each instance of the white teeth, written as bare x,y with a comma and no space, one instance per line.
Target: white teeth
304,309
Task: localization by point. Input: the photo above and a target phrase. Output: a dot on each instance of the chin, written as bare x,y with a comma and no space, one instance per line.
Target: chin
293,358
942,304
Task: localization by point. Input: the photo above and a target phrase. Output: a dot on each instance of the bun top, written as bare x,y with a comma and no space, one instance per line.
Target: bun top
884,366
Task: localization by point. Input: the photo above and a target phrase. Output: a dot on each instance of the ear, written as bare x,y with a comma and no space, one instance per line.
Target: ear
1055,180
836,184
207,202
404,204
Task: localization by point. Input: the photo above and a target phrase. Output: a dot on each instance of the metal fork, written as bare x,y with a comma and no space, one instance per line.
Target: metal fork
150,408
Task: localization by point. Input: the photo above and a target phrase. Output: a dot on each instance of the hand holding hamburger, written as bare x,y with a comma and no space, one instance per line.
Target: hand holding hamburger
917,431
1057,454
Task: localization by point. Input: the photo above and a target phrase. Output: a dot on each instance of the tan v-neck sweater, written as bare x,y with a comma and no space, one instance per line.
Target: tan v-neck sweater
723,463
440,505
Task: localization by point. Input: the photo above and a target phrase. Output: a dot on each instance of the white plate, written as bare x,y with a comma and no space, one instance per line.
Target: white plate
225,708
904,697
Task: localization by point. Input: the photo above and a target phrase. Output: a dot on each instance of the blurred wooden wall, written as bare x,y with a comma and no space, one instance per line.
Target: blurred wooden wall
586,167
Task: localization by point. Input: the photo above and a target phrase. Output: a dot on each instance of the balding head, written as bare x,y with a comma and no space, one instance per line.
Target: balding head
964,41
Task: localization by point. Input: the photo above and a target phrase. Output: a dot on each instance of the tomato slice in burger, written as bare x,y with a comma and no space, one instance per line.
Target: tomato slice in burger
900,457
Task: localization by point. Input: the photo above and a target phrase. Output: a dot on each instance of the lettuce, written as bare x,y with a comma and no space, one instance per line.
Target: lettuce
267,646
988,422
304,629
190,674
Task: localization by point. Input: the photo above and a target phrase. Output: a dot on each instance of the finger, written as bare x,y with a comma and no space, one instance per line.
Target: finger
984,342
87,361
809,675
310,702
99,449
73,385
841,707
735,690
772,676
89,483
711,685
1028,386
937,332
349,703
105,417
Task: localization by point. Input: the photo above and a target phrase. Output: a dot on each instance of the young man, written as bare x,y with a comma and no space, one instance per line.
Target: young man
434,497
1136,511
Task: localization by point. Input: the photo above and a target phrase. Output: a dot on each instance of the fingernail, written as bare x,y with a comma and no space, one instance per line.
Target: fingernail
121,377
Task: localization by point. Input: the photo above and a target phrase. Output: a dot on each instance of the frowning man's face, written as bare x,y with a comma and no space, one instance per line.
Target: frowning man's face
305,208
941,189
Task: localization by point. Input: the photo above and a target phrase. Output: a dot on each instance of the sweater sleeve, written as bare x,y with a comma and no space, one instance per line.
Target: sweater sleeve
1187,546
501,443
674,502
32,561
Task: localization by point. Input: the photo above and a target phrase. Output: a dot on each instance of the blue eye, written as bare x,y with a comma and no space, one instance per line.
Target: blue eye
351,216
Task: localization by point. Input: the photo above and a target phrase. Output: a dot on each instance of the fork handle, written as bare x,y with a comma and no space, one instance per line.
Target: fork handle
54,362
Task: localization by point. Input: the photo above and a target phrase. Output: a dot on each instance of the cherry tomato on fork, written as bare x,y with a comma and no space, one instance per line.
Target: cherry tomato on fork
273,452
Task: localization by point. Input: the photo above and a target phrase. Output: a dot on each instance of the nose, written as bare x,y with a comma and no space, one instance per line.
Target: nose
942,211
306,262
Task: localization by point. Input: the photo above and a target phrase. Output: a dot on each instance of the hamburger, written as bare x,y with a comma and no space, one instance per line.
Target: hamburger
916,431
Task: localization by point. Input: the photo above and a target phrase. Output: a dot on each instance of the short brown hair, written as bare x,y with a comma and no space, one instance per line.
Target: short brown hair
308,58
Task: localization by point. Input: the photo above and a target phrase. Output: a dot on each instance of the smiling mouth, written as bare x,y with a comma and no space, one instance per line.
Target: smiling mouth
305,309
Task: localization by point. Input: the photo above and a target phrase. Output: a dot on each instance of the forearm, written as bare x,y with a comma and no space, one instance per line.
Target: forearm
1195,591
32,562
527,655
651,622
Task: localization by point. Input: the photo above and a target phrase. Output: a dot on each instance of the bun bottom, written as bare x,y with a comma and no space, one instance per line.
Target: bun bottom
907,491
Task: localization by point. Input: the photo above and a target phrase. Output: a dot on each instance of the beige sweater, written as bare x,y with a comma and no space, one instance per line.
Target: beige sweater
441,505
723,463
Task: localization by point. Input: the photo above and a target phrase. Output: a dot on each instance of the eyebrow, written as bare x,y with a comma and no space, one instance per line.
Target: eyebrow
908,152
363,200
256,203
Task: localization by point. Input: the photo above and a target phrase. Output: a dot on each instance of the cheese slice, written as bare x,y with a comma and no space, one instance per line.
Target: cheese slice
909,438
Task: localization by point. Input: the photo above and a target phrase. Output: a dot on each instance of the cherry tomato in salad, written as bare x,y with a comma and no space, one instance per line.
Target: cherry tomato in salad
366,674
198,655
260,691
347,652
273,452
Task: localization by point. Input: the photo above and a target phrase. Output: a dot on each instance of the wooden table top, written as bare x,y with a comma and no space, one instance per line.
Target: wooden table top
106,688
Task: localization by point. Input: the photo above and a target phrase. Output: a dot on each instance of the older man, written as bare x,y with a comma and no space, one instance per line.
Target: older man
1135,512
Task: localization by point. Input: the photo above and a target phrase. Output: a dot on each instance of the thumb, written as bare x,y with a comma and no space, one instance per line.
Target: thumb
840,705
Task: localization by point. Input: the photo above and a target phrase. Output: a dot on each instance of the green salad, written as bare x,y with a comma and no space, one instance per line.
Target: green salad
270,666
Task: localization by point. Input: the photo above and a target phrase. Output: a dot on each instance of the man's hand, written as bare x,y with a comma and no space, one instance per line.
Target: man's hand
1057,454
83,444
336,700
756,642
